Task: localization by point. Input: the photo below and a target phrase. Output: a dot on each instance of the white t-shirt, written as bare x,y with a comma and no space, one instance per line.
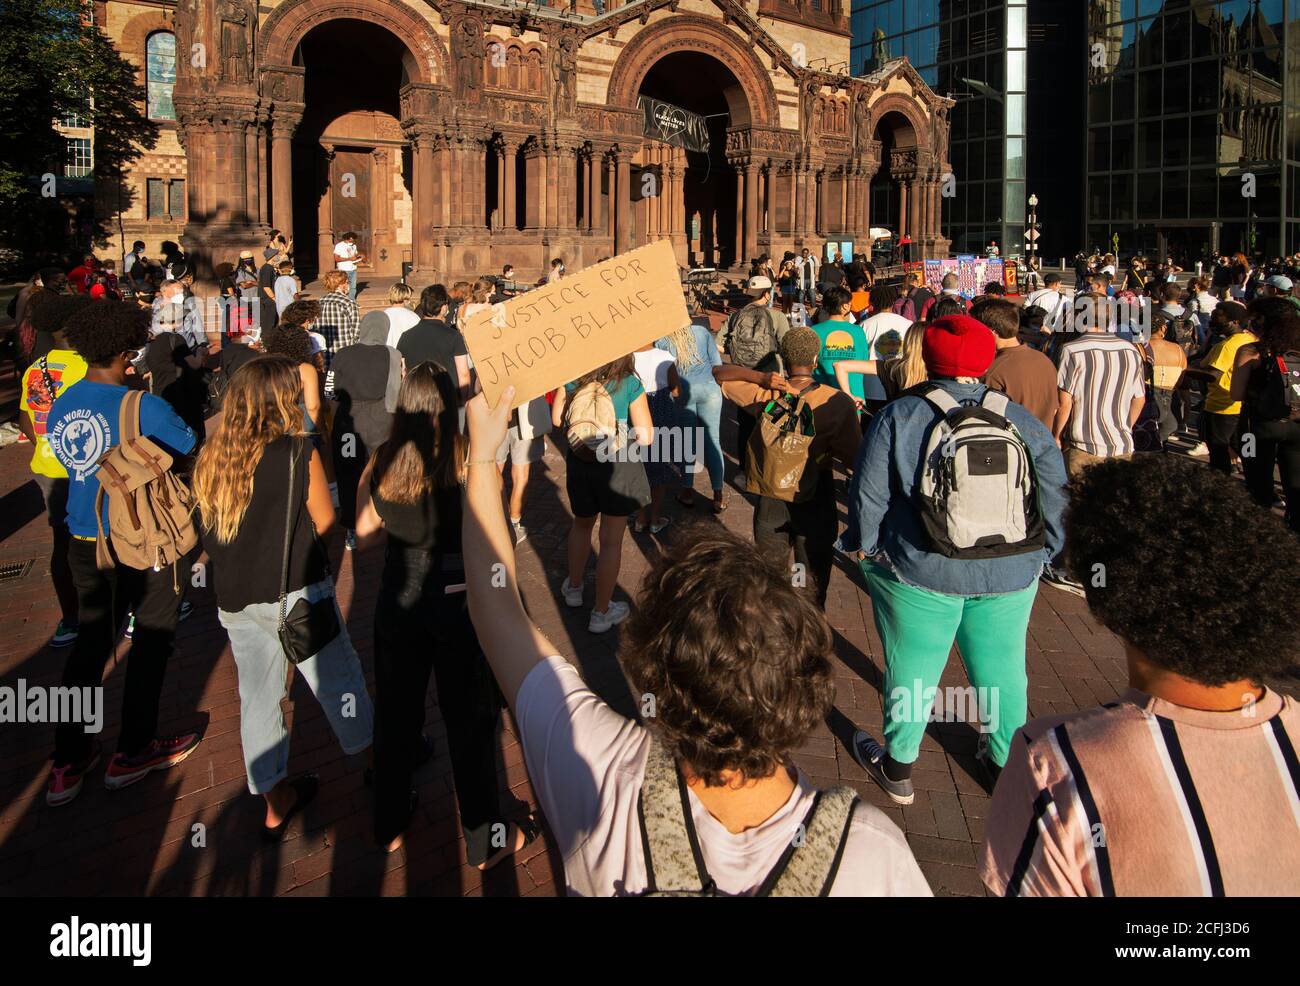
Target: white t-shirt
345,255
399,320
885,332
586,763
652,369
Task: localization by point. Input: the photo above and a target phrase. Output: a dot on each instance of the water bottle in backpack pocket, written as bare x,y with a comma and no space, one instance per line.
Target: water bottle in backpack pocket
978,494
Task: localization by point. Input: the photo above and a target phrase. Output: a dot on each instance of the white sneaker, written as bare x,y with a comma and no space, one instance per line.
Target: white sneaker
572,593
612,617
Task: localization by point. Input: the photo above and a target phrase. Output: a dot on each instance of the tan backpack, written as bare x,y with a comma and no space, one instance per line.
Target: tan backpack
590,422
150,511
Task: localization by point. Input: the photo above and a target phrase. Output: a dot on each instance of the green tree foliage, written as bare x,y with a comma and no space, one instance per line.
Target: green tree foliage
53,62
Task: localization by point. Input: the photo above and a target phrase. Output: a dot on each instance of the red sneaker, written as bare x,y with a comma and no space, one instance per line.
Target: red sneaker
164,752
65,781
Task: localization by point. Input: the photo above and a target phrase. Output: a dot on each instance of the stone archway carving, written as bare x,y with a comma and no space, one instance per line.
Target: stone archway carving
693,32
290,22
905,106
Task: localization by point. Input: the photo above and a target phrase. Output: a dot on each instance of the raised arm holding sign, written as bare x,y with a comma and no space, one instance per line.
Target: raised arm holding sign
543,339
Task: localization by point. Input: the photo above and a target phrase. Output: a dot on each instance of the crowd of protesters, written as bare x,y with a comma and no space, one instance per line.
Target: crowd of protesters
990,444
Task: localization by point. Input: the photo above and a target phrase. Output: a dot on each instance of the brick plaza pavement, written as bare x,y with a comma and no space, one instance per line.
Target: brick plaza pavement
141,840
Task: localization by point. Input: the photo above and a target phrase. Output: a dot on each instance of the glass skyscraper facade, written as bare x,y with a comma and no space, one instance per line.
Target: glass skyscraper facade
976,52
1194,126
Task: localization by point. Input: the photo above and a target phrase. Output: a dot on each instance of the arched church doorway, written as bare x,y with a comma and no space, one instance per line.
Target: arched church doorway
352,169
889,186
701,211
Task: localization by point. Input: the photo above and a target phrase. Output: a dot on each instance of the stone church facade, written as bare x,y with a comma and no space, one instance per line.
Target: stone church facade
456,136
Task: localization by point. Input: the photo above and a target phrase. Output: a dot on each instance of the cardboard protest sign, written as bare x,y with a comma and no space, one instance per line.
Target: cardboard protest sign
543,339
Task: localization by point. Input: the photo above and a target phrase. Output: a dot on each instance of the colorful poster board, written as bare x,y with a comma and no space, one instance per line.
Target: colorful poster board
973,273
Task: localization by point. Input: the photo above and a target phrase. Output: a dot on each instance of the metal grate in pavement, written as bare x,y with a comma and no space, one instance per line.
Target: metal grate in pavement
14,571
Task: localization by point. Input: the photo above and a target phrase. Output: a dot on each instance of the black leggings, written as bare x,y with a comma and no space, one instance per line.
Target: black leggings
421,629
1276,443
809,528
103,600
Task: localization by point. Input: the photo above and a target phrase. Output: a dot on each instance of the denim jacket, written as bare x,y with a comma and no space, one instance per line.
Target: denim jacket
883,518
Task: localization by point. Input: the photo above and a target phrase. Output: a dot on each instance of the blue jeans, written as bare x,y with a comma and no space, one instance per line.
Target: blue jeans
702,408
334,677
352,283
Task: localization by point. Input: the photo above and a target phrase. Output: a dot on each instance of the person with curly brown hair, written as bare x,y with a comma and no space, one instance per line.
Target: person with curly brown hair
82,425
732,667
1188,784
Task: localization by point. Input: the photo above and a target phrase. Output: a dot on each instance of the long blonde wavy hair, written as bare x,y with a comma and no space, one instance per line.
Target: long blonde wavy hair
688,354
913,369
262,402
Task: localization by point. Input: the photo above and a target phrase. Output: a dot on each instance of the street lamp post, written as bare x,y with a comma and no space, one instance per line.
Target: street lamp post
1032,235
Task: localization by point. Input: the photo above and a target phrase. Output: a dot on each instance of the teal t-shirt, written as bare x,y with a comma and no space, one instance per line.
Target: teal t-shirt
623,394
840,341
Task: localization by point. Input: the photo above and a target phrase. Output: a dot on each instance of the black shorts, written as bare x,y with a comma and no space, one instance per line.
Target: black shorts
615,489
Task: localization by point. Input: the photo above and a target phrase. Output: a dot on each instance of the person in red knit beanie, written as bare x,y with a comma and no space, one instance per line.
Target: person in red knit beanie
958,346
929,506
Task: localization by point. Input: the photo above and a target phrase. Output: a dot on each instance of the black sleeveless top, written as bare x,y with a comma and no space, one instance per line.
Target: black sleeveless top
247,570
431,524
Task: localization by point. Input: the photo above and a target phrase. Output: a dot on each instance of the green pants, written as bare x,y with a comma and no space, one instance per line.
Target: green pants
918,627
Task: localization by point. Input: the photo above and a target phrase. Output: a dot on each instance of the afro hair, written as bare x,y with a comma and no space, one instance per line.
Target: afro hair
103,330
1179,561
288,340
800,347
54,312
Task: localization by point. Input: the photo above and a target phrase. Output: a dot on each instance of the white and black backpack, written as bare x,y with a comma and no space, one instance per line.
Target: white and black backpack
978,495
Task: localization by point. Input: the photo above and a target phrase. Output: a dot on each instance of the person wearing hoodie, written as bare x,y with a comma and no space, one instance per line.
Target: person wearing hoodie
928,586
367,378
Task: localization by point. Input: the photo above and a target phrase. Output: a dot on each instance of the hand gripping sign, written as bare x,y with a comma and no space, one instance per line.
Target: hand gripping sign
545,338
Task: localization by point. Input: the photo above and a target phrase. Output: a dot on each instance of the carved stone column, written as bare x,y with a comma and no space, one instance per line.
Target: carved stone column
740,216
819,217
623,203
509,207
426,206
263,166
610,200
535,185
797,206
325,211
283,126
751,211
381,201
566,162
219,111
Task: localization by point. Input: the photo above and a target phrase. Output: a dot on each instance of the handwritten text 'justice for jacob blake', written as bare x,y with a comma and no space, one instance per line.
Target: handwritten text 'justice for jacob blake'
551,338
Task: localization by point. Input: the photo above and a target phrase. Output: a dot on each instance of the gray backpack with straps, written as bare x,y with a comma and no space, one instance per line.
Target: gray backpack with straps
675,865
753,335
978,494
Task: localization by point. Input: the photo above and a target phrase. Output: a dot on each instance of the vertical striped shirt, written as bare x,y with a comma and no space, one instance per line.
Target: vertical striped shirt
1103,375
1145,798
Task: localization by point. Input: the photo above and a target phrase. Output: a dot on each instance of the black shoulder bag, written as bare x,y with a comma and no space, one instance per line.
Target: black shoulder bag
308,628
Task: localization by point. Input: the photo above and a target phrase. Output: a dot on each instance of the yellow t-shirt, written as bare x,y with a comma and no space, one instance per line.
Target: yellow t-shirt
41,385
1222,357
